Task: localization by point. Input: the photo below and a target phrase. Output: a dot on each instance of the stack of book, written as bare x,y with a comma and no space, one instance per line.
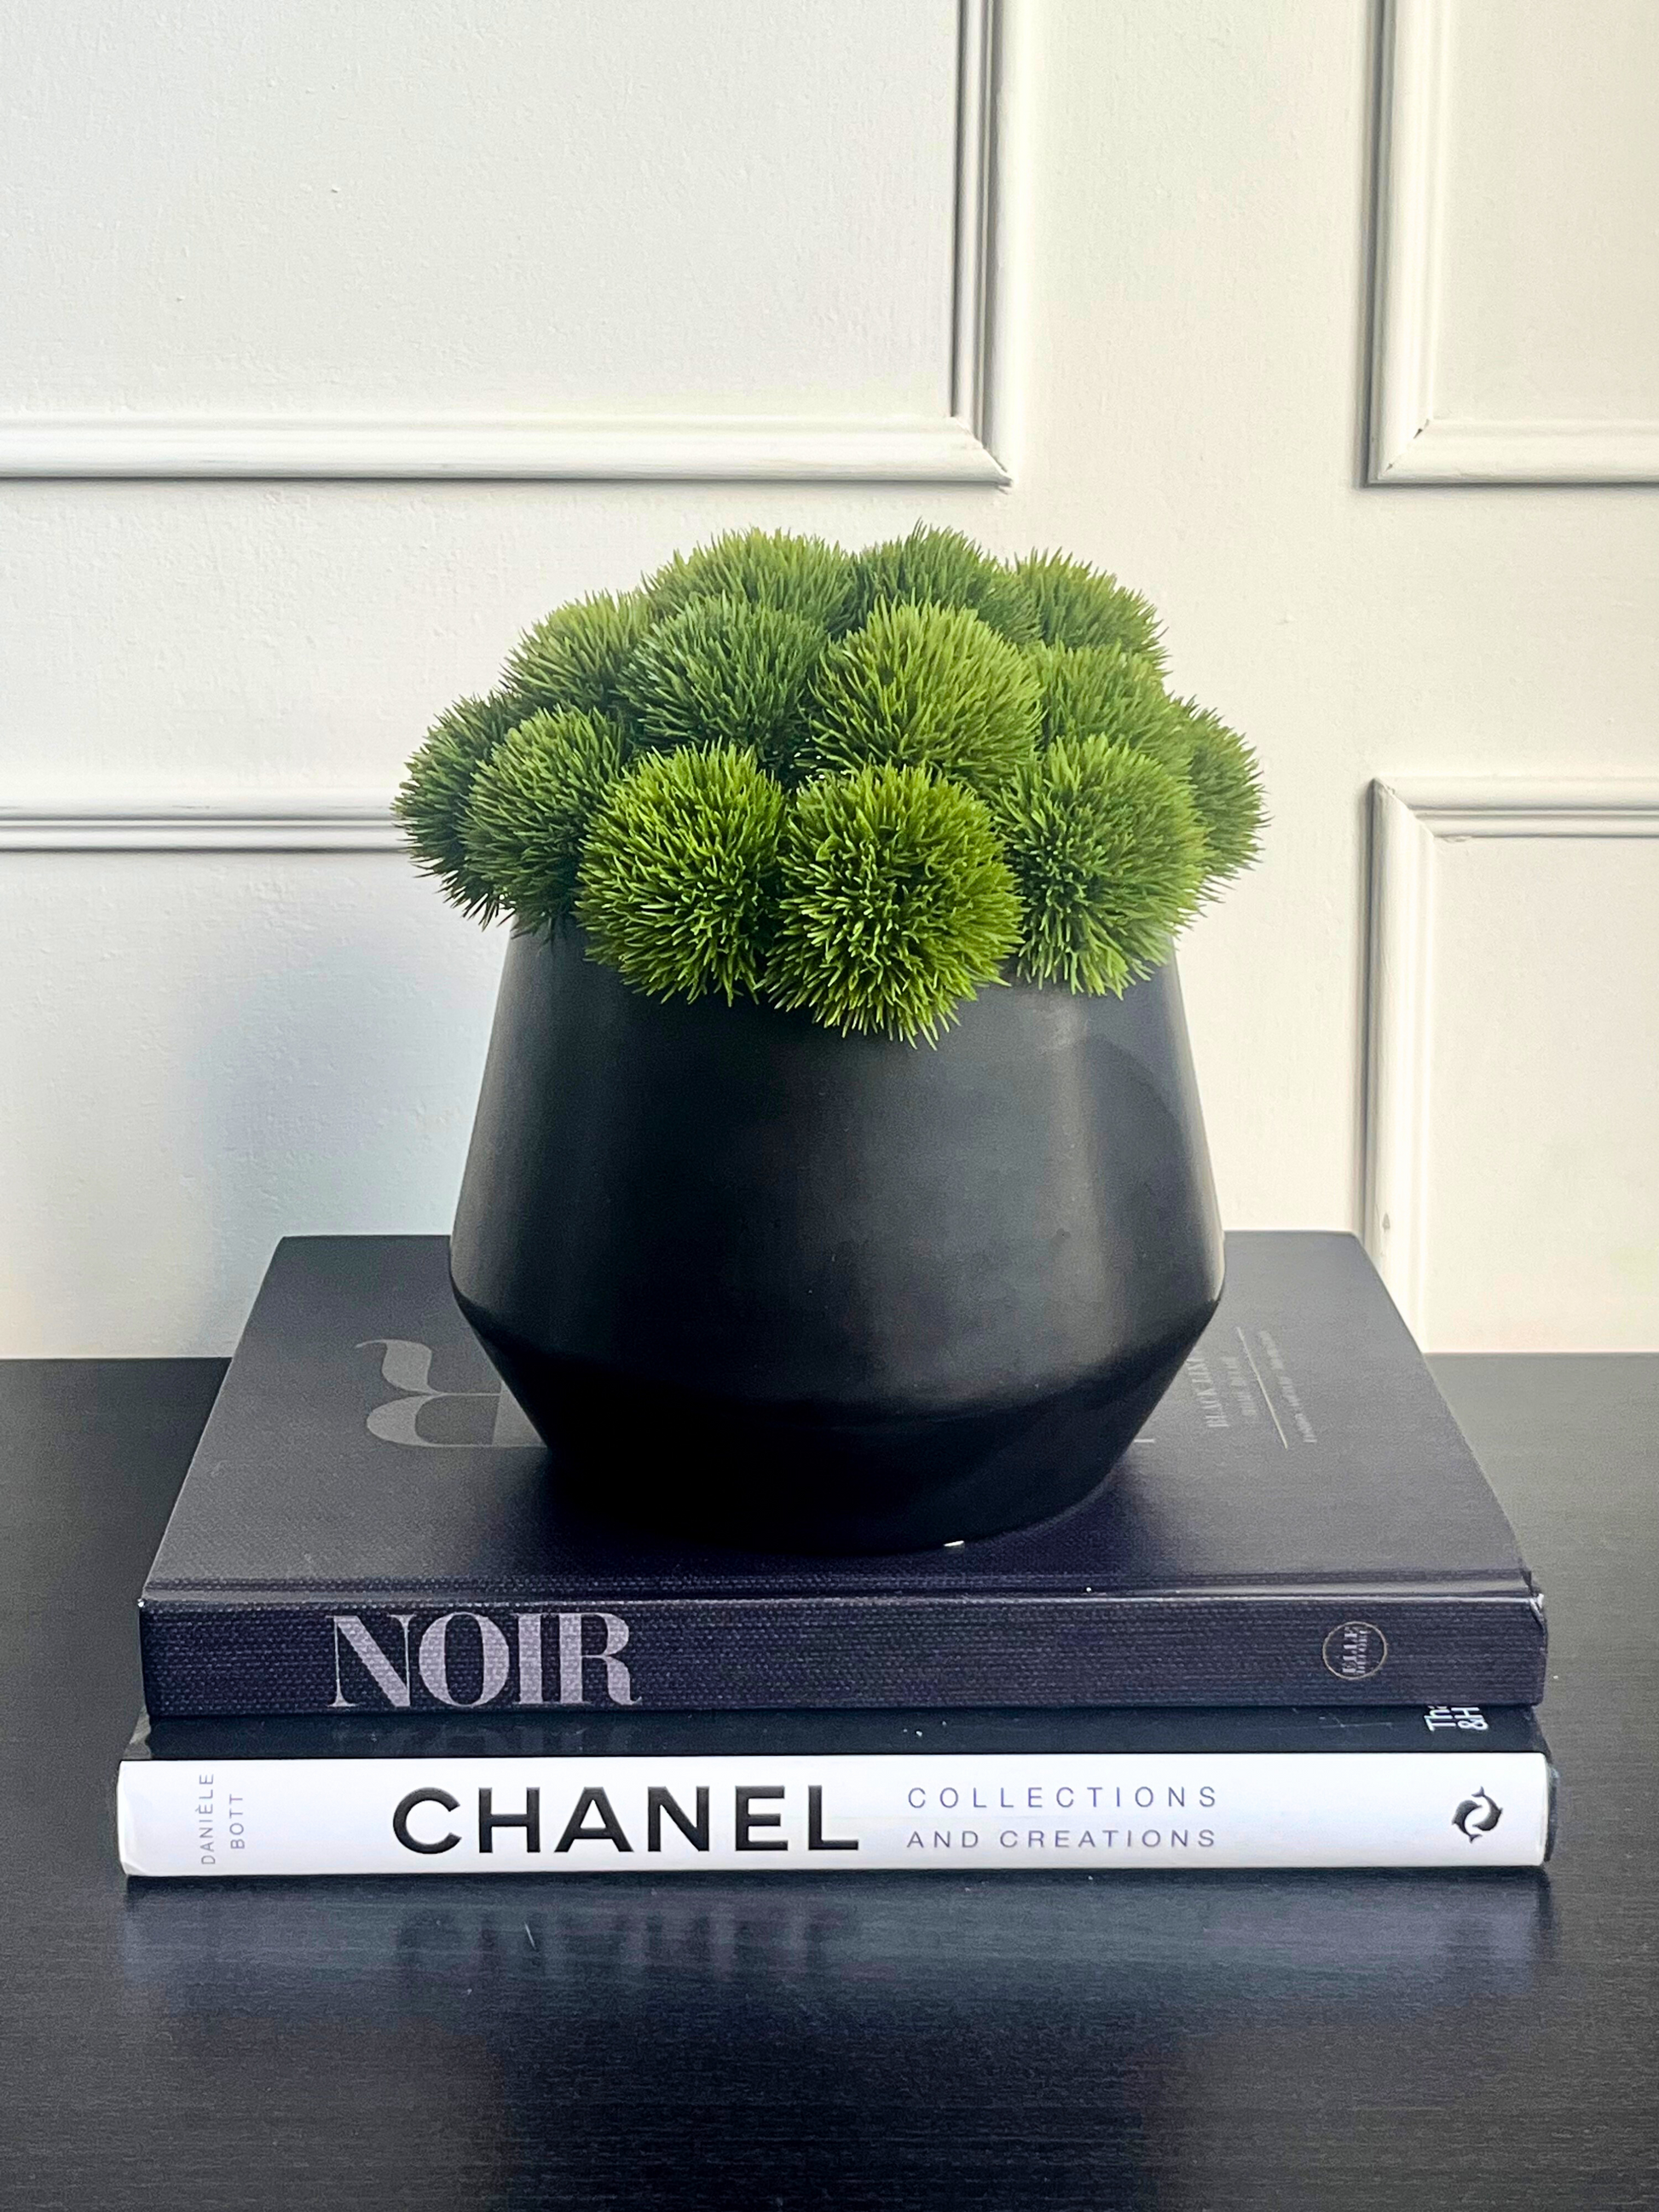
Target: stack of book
1293,1629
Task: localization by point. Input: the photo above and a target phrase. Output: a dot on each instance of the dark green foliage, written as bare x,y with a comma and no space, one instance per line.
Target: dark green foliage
432,801
1109,855
855,786
725,672
1225,782
803,576
1102,691
926,687
530,807
574,657
895,901
943,568
680,871
1075,604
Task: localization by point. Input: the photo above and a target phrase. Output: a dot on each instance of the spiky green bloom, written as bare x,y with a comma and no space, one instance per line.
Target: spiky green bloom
1075,604
943,568
895,902
1109,854
806,577
726,672
432,804
530,807
964,740
573,658
679,873
1102,691
926,687
1225,782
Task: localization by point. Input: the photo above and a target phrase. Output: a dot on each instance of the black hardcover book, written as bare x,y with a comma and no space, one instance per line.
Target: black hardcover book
370,1525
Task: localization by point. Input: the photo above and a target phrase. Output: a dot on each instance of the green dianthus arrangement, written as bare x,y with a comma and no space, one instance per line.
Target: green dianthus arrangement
857,785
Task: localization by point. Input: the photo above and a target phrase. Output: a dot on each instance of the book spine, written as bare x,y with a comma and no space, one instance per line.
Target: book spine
849,1813
466,1652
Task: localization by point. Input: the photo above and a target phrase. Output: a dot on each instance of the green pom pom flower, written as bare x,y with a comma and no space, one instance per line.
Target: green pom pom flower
853,787
574,657
1075,604
679,873
895,902
1109,855
432,804
1102,691
943,568
926,687
1225,782
803,576
530,807
726,672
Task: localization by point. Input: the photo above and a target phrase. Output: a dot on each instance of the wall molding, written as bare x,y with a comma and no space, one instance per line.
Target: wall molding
1410,442
980,138
469,449
347,823
897,449
1408,822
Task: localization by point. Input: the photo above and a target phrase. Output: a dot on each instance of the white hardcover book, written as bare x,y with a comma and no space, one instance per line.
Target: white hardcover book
777,1793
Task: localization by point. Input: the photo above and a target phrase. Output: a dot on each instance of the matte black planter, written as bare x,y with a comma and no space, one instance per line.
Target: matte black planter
761,1284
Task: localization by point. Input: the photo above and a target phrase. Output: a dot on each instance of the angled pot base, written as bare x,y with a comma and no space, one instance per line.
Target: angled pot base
760,1283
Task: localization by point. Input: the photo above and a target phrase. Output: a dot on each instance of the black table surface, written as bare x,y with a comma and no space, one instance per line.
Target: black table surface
1167,2040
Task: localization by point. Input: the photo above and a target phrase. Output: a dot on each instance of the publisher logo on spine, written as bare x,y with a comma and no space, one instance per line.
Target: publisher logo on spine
1477,1816
1355,1651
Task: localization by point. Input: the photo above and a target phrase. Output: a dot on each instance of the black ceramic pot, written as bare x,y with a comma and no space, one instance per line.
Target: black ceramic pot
761,1284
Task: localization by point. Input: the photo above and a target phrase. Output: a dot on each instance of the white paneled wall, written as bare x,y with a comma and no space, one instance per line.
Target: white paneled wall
1540,1172
485,209
509,238
1519,275
1511,1200
210,1050
341,344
